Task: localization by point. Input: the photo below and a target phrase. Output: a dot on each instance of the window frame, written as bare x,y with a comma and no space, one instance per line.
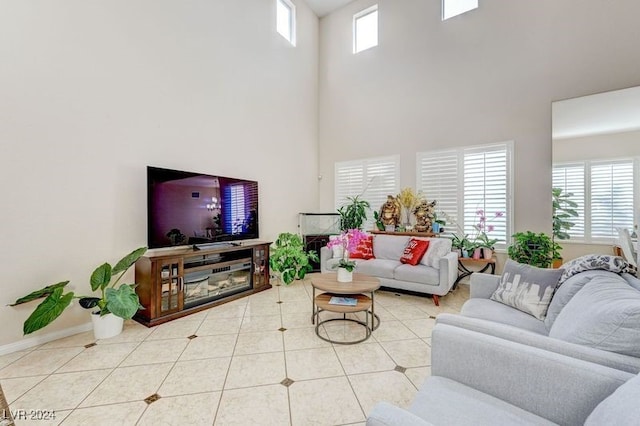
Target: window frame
363,13
461,12
365,186
459,216
292,20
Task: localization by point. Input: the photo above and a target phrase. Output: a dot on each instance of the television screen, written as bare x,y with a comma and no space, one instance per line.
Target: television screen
193,208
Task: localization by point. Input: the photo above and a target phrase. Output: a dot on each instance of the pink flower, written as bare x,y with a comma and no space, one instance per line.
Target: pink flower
490,228
349,240
480,212
499,214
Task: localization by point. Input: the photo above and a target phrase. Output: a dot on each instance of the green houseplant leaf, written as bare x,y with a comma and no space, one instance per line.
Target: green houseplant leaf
126,262
122,302
43,292
101,277
47,311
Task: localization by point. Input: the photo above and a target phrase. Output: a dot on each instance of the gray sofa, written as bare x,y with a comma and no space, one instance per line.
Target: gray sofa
481,379
600,315
435,274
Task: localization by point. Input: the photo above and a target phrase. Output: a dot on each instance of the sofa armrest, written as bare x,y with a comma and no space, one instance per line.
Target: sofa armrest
561,389
482,286
385,414
325,255
448,271
608,359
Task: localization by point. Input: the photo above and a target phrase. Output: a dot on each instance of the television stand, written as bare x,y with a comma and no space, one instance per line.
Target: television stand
179,282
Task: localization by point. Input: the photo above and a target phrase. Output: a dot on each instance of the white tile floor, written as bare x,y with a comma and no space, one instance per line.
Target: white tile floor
235,370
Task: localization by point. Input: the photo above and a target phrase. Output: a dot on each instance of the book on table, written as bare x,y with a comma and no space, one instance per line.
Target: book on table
346,301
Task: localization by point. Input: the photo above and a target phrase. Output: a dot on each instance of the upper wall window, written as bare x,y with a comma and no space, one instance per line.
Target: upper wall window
451,8
365,29
286,20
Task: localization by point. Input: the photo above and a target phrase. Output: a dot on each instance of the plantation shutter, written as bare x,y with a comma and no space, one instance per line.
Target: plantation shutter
570,178
371,179
467,180
486,189
437,174
612,197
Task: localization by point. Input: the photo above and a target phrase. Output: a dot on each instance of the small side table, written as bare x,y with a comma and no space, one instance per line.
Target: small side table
464,271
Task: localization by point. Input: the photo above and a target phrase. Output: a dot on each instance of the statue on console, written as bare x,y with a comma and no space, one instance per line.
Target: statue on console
424,213
390,212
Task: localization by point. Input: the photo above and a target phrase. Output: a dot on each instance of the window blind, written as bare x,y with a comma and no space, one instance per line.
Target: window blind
611,198
571,179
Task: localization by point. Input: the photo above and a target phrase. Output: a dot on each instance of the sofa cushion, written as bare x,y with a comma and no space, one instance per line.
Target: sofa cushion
337,251
444,401
364,249
414,251
389,247
565,292
497,312
380,268
527,288
605,315
590,262
417,274
438,248
620,408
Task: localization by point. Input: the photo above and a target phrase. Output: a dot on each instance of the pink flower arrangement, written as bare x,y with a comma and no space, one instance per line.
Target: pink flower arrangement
348,240
483,227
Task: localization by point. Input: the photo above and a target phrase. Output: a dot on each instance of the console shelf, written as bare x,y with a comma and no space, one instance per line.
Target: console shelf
175,283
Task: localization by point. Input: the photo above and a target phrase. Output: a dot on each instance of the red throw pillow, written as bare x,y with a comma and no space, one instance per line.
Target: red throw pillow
364,250
414,251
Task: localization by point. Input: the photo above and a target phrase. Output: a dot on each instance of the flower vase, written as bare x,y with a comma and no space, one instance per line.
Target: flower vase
477,254
345,276
487,252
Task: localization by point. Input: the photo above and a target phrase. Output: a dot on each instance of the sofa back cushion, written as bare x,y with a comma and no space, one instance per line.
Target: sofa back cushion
389,247
438,248
604,314
527,288
565,292
619,408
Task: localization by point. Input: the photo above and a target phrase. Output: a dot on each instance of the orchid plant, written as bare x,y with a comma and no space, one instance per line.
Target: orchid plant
483,227
349,241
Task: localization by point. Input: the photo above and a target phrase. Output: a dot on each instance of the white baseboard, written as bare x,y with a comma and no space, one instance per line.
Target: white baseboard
44,338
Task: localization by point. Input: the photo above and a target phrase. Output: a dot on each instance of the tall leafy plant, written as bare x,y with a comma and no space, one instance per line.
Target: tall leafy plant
564,209
288,258
354,214
122,300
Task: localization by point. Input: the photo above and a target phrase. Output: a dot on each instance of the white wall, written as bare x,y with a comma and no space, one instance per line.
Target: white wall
486,76
597,147
91,92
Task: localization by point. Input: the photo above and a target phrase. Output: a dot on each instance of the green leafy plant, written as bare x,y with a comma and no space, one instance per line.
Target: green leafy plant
353,215
122,300
564,209
289,259
457,242
378,220
533,249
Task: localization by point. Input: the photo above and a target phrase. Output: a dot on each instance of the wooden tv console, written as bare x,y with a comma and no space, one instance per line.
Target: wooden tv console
175,283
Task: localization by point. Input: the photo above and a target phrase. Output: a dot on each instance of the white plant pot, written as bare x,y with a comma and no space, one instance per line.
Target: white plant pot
344,276
106,326
487,252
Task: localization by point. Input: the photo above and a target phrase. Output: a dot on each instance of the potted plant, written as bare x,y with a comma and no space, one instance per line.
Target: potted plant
438,223
563,210
115,304
288,258
353,215
458,243
349,241
378,219
532,249
486,244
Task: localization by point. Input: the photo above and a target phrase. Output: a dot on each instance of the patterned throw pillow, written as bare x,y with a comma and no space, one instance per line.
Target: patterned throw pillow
414,251
364,250
527,288
604,262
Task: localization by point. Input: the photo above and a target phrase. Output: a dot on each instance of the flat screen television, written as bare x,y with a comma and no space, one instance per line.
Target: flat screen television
197,209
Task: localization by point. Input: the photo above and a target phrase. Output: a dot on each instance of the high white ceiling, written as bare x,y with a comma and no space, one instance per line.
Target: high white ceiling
610,112
324,7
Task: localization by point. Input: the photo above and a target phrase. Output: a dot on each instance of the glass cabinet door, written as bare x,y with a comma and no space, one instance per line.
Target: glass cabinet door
171,283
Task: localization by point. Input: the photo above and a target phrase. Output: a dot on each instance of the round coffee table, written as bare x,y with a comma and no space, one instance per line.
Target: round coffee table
329,284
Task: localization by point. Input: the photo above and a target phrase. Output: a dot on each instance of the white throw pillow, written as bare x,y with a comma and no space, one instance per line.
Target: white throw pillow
438,248
337,252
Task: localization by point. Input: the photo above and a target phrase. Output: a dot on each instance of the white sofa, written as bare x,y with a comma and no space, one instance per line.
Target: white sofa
435,274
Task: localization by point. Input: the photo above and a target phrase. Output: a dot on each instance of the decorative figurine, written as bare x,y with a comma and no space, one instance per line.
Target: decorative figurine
390,212
425,214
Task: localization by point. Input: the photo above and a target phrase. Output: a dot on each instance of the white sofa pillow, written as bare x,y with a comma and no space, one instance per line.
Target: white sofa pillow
337,252
438,248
